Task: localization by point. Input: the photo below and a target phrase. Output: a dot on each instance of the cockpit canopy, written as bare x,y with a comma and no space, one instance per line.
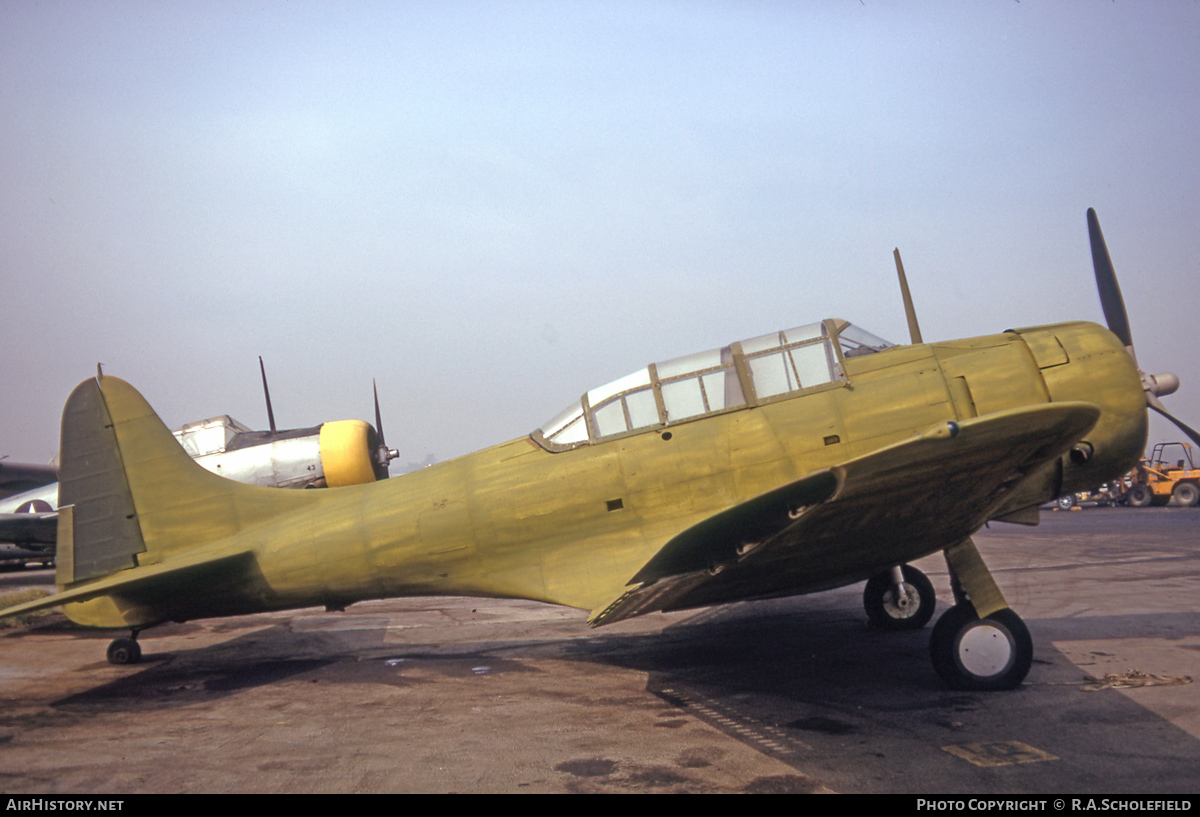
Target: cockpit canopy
749,372
210,436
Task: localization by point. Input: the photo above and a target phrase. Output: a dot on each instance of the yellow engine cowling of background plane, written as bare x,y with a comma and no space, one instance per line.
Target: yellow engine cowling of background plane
347,448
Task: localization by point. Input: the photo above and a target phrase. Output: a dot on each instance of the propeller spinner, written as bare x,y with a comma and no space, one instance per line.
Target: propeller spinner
1156,385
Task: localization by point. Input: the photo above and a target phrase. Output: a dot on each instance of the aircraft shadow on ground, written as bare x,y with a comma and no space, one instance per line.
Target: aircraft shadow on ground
819,690
790,649
802,679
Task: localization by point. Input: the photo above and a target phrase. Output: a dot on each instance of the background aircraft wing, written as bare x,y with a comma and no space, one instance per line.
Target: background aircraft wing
19,477
29,528
847,523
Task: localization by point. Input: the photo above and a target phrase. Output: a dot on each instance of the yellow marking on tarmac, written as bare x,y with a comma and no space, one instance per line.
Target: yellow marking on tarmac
998,753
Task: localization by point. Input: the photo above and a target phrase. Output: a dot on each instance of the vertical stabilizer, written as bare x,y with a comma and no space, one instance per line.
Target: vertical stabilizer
136,496
103,535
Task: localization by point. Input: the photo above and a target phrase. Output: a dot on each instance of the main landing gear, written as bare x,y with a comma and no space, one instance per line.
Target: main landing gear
976,652
125,650
981,654
969,651
899,599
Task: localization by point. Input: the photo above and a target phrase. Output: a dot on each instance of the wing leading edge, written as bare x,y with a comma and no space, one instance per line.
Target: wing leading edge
848,522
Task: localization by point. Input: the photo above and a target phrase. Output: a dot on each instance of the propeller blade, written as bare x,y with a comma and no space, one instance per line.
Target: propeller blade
267,393
1106,284
1157,405
1118,322
383,455
914,331
378,416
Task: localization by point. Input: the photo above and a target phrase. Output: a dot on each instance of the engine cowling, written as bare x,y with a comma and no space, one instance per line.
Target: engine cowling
348,452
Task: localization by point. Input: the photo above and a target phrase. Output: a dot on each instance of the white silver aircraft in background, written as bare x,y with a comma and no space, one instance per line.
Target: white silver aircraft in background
342,452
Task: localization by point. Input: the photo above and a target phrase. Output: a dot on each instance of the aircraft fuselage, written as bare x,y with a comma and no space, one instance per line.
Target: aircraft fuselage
572,527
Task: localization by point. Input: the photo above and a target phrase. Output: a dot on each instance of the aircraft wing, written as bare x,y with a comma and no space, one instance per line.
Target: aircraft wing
29,528
849,522
19,477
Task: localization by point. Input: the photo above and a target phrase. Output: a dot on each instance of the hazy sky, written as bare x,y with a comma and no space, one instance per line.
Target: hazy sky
492,207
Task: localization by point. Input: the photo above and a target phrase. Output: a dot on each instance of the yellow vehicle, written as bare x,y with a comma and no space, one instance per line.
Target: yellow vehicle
789,463
1157,479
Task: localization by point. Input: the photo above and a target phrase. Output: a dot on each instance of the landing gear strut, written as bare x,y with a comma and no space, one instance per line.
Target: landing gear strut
973,652
125,650
899,599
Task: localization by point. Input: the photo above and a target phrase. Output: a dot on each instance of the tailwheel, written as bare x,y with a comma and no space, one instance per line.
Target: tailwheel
893,605
971,653
124,651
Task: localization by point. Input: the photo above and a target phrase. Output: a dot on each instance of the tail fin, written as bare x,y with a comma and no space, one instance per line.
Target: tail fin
137,497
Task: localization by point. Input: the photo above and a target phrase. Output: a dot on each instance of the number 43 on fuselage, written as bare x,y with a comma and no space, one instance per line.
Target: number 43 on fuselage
793,462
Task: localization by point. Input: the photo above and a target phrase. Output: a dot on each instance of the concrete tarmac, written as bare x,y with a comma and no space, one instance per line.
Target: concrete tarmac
790,695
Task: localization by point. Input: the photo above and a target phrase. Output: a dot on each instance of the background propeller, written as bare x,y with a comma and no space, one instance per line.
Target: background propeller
383,454
1156,385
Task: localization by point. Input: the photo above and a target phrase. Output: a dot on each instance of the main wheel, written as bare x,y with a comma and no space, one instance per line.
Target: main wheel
1186,494
888,610
1138,495
1067,502
971,653
124,651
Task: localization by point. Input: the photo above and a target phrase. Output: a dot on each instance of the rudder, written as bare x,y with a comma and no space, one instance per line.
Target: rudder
98,532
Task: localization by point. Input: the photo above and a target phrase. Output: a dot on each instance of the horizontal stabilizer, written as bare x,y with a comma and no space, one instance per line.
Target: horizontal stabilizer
144,584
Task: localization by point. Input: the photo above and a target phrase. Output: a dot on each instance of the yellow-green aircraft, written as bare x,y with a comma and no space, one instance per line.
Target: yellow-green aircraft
789,463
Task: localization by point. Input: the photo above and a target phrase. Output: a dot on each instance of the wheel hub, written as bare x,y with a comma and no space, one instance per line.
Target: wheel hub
986,649
902,605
